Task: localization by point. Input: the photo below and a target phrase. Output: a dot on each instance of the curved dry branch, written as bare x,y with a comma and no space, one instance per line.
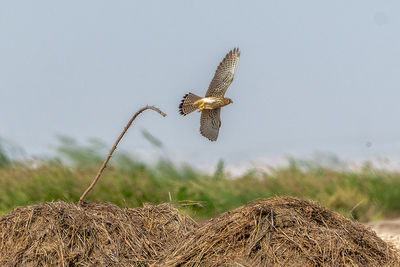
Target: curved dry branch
103,166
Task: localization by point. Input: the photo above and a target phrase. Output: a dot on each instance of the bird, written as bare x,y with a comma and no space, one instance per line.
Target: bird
210,105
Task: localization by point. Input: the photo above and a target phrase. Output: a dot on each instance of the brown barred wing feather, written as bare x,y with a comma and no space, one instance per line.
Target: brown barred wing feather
224,75
210,122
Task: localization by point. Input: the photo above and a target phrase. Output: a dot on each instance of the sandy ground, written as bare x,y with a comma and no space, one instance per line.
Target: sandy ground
388,230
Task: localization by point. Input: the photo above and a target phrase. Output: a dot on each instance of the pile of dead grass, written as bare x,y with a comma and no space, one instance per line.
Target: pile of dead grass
281,231
94,234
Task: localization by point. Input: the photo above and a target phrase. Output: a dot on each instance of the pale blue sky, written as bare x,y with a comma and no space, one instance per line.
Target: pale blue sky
313,75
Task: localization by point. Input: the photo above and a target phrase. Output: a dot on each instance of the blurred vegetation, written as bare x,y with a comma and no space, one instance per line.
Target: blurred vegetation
367,194
4,158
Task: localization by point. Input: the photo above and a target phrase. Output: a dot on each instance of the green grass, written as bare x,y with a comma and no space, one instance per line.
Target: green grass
365,195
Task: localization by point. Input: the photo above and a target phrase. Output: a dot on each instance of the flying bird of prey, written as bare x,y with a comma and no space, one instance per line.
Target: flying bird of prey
210,105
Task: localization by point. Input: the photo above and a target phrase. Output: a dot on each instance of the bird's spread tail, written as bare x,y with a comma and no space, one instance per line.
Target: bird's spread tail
186,105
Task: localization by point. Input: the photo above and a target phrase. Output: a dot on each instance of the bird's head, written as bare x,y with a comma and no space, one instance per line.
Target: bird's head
228,101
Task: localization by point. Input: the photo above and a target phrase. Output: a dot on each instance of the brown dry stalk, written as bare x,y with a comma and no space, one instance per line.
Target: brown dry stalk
114,147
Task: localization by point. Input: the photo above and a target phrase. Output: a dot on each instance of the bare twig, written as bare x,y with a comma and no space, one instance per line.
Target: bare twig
114,147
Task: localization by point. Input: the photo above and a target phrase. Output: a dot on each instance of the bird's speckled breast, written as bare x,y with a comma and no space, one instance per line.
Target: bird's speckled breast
213,102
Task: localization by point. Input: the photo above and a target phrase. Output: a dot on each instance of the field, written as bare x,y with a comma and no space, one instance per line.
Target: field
194,218
364,195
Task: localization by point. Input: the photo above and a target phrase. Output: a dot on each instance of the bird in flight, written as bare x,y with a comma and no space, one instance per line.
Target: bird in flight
210,105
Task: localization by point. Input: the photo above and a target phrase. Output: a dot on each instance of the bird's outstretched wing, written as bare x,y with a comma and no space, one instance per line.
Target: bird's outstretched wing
210,122
224,75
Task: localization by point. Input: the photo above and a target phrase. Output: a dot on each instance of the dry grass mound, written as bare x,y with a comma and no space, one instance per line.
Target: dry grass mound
281,231
95,234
